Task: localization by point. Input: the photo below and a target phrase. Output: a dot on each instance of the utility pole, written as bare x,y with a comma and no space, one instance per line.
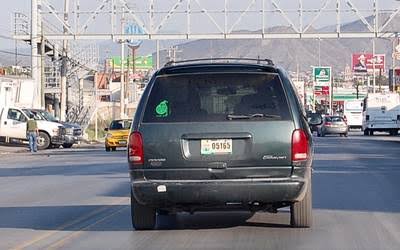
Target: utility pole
158,54
373,66
122,99
96,128
395,40
133,49
64,67
42,65
122,95
34,48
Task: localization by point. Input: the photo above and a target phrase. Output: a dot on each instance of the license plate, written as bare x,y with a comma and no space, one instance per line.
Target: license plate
216,147
122,142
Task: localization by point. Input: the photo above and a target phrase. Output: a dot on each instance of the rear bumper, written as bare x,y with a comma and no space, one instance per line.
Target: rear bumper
116,142
335,130
381,126
162,193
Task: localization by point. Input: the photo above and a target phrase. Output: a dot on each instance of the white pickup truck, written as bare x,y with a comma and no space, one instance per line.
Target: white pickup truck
381,113
13,128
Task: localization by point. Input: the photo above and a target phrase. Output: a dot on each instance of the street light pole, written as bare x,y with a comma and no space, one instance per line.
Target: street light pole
373,65
319,51
394,62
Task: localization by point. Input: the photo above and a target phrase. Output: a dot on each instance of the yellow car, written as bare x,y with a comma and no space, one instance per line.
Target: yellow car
117,134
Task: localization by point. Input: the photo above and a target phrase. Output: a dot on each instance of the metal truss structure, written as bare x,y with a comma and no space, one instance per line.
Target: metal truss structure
217,19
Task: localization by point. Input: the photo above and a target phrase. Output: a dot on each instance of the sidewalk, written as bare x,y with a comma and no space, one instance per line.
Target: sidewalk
12,149
6,149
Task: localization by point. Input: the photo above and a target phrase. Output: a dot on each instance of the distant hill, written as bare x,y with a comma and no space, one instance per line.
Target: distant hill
286,52
290,52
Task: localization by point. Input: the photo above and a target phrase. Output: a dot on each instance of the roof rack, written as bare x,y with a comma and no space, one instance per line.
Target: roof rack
268,62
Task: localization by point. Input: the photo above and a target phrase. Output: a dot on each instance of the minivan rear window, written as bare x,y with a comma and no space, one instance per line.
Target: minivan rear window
217,97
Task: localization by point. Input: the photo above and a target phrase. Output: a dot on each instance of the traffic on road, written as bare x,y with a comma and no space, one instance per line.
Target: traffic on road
174,124
79,198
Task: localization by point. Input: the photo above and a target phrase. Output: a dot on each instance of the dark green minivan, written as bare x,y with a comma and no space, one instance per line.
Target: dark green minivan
225,134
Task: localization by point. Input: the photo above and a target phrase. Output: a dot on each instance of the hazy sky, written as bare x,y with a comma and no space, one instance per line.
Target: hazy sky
8,7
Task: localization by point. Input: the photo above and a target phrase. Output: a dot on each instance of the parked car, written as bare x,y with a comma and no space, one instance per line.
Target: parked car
13,128
220,135
117,134
73,131
333,125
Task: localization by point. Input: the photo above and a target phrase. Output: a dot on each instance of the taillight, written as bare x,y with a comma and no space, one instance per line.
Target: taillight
300,146
328,124
135,149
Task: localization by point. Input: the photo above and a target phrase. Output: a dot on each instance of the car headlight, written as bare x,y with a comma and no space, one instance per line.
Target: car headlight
69,131
55,130
109,136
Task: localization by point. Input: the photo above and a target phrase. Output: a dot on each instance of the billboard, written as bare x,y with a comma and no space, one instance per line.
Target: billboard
394,84
322,75
364,62
141,62
321,91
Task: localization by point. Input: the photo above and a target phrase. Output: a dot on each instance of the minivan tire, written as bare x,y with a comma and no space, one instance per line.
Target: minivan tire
143,217
301,212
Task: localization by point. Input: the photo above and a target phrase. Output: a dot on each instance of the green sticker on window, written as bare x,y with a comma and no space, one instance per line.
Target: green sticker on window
162,109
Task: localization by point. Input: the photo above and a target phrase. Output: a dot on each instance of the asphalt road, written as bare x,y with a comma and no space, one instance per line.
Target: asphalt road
78,199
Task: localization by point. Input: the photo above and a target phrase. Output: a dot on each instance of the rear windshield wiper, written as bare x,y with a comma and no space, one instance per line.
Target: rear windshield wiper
252,116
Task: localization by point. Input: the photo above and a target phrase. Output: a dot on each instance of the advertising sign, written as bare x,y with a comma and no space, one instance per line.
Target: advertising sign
394,84
396,53
364,62
321,91
141,62
322,75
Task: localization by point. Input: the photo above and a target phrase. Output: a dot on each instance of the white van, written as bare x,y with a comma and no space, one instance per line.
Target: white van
381,113
13,128
353,113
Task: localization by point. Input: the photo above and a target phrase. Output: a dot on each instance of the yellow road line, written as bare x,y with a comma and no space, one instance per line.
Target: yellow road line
69,224
71,236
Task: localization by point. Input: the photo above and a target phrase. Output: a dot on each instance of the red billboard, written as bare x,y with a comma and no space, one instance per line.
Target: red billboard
364,62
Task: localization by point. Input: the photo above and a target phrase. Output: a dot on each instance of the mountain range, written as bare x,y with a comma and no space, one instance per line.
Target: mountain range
289,53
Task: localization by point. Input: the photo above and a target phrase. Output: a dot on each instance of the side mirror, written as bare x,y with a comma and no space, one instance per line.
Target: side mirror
106,129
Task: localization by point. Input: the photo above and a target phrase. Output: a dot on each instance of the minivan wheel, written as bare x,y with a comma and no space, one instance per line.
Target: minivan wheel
143,217
301,212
